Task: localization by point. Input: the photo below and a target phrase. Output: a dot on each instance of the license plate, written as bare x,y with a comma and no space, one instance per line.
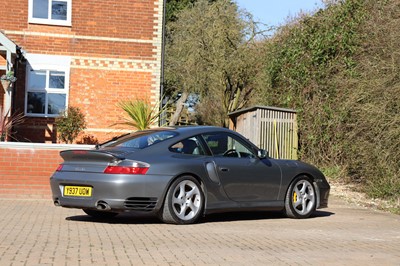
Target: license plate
78,191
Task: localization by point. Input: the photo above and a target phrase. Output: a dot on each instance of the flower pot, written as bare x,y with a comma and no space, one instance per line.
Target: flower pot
6,84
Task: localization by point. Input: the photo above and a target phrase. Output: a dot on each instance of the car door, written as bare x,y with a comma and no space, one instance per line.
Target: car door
243,175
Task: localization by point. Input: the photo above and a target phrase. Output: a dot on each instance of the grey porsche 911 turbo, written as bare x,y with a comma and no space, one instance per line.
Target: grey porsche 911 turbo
183,173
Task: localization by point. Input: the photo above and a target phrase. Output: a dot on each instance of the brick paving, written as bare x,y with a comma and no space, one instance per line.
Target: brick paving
34,232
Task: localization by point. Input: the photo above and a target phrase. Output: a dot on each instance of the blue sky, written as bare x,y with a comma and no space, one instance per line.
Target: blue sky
275,12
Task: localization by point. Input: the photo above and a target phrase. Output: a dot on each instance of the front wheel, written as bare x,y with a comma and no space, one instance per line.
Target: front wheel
300,199
184,201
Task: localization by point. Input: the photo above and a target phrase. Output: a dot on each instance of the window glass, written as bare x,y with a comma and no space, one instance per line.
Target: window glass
227,145
57,103
36,102
59,10
40,9
57,80
37,79
188,146
141,139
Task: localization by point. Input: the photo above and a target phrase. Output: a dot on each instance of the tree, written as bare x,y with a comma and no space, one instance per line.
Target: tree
174,7
211,51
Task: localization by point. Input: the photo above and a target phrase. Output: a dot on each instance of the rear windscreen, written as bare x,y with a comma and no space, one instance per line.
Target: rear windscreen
141,139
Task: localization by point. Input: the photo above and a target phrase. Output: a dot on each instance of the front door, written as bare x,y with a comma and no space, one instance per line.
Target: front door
243,175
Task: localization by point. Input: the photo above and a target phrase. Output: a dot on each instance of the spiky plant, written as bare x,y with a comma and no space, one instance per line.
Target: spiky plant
7,121
140,113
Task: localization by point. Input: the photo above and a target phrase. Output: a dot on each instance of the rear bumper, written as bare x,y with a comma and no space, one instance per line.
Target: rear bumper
120,193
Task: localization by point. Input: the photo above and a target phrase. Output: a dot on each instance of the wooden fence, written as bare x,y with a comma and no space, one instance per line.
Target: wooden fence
270,128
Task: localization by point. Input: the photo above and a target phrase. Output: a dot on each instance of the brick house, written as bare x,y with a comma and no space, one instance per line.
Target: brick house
87,54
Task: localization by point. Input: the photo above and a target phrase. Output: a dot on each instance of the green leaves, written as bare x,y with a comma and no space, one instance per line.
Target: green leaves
140,114
70,124
211,52
340,69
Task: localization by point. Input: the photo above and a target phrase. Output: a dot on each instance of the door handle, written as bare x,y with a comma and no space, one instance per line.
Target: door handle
223,169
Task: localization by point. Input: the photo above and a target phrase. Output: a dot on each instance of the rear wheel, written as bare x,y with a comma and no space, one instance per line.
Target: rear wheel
184,201
100,214
300,199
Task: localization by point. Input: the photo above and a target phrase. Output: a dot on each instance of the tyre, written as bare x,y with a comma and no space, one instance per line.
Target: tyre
184,202
100,214
301,199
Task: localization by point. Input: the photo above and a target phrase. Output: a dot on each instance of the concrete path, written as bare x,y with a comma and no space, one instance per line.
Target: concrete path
34,232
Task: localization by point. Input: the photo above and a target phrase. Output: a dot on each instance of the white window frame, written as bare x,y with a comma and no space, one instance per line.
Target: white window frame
39,62
49,21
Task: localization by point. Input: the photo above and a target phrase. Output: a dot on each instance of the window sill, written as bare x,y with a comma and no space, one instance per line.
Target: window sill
41,115
50,22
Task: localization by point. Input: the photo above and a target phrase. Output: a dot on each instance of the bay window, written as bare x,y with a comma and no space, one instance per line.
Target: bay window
47,85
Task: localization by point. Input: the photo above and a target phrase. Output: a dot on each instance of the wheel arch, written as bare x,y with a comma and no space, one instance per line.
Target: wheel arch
198,178
314,183
291,180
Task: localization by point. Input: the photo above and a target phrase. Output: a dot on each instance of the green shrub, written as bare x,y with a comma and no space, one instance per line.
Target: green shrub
70,124
340,70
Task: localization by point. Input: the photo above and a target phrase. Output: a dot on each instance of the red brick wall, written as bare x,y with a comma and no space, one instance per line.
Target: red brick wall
115,51
112,18
25,169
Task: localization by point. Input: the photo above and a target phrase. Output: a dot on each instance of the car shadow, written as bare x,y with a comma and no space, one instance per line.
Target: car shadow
122,218
255,215
148,218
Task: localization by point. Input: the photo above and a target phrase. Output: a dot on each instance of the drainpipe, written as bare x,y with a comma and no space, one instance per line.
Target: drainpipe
14,87
162,119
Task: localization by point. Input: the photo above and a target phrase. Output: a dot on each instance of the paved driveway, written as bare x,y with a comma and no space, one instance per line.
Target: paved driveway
34,232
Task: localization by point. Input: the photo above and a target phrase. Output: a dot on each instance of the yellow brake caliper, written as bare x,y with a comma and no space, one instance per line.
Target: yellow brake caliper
294,197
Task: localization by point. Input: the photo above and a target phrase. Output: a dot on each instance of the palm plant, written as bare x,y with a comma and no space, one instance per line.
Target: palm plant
140,113
7,121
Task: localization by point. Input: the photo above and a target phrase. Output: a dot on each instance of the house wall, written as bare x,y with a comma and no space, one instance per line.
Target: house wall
26,168
115,47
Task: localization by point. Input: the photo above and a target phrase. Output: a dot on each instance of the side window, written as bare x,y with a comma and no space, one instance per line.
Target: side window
188,146
227,145
52,12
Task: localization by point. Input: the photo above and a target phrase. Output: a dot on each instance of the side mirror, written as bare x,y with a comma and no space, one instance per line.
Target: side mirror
262,154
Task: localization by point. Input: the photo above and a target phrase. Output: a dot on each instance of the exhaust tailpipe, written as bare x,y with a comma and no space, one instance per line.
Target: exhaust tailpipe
57,202
102,206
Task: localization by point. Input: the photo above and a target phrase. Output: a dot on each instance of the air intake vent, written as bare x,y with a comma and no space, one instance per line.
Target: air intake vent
140,204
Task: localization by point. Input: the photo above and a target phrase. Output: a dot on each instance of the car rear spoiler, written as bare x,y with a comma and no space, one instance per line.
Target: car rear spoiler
90,156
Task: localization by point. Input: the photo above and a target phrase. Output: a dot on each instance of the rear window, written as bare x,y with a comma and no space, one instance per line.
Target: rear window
141,139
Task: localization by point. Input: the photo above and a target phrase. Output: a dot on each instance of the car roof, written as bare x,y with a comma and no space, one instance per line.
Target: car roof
192,130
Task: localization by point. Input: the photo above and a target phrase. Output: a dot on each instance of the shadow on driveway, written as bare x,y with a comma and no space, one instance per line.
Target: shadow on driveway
148,218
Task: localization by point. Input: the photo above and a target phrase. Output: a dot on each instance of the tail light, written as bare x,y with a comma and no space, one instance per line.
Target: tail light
126,170
59,168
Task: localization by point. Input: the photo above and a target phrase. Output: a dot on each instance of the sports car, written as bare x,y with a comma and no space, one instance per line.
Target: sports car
183,173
